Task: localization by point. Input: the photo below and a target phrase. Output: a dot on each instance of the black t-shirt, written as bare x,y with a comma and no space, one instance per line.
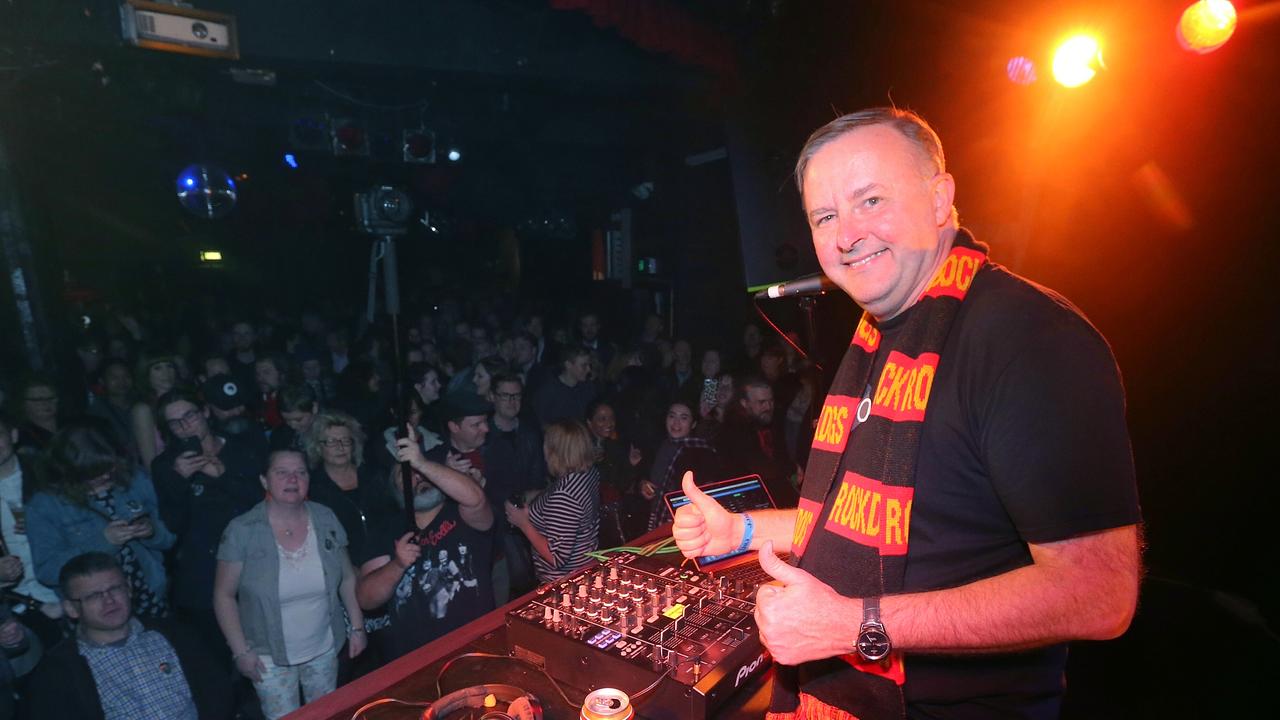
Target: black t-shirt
448,587
1024,441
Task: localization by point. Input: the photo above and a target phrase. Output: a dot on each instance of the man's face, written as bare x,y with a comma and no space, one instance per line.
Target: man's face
683,353
589,327
877,215
468,433
267,375
506,399
758,402
312,370
216,366
41,404
99,601
771,365
118,381
523,351
186,420
299,420
242,337
579,368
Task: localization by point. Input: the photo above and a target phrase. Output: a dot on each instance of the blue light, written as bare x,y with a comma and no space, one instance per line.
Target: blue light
189,182
291,161
455,155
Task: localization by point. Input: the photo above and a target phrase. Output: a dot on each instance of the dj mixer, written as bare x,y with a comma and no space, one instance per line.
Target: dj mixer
636,620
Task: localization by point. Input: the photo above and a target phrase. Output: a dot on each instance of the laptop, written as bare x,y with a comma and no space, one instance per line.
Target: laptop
741,494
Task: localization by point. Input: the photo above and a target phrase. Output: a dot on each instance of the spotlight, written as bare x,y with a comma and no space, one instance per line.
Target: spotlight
454,155
1206,25
1077,60
349,138
291,160
210,256
419,146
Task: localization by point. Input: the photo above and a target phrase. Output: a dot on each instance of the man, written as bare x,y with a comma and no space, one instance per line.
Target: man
202,480
589,337
116,403
270,371
228,414
407,599
121,667
750,443
466,417
243,355
969,504
514,463
675,379
567,395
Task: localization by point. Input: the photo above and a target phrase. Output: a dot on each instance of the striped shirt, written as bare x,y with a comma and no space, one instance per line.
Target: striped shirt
139,677
567,514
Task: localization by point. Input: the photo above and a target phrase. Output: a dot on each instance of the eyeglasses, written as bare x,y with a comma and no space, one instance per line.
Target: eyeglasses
338,443
187,417
508,397
117,591
43,399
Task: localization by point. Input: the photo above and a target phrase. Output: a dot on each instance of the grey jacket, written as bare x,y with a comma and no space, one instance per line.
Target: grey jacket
248,540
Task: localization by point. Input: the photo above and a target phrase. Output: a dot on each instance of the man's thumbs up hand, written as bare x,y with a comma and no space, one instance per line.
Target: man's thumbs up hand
703,527
800,617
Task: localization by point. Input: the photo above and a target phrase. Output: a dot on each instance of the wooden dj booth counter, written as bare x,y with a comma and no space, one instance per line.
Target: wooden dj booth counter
709,646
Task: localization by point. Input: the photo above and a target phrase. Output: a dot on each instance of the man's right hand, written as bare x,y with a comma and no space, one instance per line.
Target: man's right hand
188,463
119,532
407,551
703,527
10,569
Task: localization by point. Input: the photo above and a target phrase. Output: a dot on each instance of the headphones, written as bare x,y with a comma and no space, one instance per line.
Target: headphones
509,703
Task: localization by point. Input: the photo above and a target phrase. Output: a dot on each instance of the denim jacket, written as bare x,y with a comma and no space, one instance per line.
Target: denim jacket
60,529
250,541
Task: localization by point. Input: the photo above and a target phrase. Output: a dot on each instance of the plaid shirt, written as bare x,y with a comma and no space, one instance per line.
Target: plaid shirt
139,677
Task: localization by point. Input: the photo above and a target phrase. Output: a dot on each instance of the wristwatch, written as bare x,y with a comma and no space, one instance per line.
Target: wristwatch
873,642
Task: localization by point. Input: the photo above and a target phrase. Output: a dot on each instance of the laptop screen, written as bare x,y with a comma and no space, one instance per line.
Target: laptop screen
742,494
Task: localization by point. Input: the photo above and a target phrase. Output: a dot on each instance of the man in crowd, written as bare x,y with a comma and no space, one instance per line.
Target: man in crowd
969,504
568,394
244,356
589,337
403,588
466,417
270,372
228,413
116,403
750,443
514,463
121,667
298,408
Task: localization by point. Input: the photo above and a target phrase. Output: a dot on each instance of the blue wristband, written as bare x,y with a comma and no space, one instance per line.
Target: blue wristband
748,530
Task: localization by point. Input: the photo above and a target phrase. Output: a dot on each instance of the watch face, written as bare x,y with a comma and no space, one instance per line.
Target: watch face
873,644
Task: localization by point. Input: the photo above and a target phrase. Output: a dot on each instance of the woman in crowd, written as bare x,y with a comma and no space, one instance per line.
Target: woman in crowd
562,522
36,398
94,499
623,513
679,452
343,479
479,377
284,580
156,375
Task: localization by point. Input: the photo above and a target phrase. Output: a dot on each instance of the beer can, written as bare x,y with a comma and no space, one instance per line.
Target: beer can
607,704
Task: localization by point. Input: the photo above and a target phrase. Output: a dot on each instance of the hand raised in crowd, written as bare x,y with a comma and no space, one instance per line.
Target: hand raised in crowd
11,634
142,527
789,613
517,516
189,463
648,490
408,449
250,666
703,526
407,551
10,569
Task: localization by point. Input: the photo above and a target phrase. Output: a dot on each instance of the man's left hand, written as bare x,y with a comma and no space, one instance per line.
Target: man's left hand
800,617
11,634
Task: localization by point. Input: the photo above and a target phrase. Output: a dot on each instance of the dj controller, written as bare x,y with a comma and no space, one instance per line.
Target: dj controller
638,621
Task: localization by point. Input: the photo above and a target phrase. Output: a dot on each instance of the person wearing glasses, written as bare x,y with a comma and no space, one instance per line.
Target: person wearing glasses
119,665
37,413
93,499
203,480
513,463
343,478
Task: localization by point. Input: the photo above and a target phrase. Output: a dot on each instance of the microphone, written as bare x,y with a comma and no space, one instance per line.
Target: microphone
814,284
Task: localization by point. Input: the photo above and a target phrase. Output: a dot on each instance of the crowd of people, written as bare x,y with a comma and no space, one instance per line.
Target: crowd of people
233,499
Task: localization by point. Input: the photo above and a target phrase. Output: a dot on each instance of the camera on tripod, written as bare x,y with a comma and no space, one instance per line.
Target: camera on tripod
383,210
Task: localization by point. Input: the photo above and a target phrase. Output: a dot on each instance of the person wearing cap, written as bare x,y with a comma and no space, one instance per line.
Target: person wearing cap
203,479
466,417
229,412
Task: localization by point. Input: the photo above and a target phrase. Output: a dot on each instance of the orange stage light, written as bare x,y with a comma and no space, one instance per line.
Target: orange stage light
1077,60
1206,25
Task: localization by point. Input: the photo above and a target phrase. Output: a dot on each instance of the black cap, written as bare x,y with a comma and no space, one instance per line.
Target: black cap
463,403
223,392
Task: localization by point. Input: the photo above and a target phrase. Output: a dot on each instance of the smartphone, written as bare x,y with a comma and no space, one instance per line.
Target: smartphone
141,517
189,444
710,388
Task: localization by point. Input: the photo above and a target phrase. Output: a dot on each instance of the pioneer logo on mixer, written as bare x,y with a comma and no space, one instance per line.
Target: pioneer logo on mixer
745,671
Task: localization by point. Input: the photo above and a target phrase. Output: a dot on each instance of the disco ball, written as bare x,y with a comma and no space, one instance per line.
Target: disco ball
206,191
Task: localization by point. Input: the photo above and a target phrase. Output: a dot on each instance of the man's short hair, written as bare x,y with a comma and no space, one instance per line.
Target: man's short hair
505,377
297,398
461,404
571,352
910,125
178,394
752,381
83,565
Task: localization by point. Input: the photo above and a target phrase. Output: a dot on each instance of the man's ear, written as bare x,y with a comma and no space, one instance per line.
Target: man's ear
70,609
